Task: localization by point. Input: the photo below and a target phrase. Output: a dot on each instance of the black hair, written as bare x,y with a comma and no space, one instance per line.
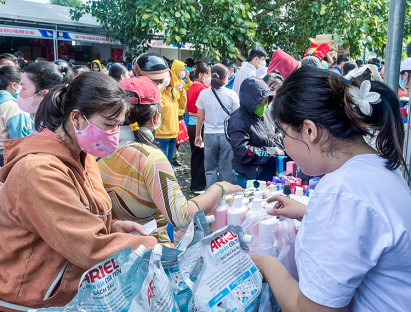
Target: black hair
322,96
201,68
79,69
342,59
229,63
141,114
46,75
116,70
359,63
21,63
91,93
190,62
18,54
256,52
40,59
9,56
65,68
357,81
375,61
8,75
348,66
273,78
218,73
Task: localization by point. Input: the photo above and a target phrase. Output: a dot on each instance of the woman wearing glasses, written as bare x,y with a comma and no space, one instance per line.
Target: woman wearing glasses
251,136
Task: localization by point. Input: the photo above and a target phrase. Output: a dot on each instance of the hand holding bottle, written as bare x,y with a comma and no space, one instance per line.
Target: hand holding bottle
287,207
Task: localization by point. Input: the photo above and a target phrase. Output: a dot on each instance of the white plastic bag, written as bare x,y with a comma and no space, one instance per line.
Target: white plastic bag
110,285
220,273
198,228
156,294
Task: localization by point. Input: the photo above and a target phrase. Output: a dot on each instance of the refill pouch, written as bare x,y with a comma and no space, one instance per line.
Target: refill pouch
220,273
155,294
110,285
198,228
182,293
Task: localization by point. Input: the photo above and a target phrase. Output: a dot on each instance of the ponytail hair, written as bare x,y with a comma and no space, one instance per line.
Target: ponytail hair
201,68
46,75
141,114
219,72
322,96
90,93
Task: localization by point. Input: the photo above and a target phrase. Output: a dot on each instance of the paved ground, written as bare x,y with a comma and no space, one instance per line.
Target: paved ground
183,172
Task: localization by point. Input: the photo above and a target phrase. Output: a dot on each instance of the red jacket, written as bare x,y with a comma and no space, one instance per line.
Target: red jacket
192,96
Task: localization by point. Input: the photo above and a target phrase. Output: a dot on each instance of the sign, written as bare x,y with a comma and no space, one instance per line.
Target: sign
65,35
161,44
26,32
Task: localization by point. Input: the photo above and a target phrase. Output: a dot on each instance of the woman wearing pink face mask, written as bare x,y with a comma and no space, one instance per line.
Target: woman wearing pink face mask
56,216
36,82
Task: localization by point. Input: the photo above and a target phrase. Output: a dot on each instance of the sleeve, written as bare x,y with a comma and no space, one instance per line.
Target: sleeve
187,85
51,208
17,126
199,102
165,191
236,102
182,101
242,148
340,240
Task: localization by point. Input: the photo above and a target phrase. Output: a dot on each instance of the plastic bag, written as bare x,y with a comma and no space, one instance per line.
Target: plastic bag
220,273
110,285
199,227
182,293
155,294
284,232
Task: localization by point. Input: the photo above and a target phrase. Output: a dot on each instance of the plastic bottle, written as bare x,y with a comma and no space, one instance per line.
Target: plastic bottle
265,235
220,215
255,211
237,212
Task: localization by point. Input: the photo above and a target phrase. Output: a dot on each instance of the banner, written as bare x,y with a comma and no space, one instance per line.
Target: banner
26,32
65,35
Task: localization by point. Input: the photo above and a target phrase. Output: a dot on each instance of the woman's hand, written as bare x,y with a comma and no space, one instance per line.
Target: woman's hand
179,87
127,227
230,188
187,75
287,207
198,141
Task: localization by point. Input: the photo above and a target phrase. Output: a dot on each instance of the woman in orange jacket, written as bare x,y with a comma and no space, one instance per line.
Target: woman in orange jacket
56,216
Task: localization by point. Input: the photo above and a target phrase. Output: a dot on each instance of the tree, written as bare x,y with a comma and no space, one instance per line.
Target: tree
67,3
223,28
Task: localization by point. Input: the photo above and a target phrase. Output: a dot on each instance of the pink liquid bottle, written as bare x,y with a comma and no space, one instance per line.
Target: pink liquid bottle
220,215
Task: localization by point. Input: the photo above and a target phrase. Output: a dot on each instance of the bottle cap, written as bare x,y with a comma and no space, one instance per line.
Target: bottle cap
247,238
238,201
262,185
210,219
158,248
287,190
299,191
258,195
141,250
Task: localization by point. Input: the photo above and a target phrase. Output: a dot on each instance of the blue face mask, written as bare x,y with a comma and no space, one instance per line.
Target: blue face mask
402,84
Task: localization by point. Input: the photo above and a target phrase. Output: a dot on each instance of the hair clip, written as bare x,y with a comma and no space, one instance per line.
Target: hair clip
134,126
363,98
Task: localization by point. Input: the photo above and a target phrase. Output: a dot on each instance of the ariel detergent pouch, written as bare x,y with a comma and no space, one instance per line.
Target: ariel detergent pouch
110,285
155,294
182,293
220,273
197,229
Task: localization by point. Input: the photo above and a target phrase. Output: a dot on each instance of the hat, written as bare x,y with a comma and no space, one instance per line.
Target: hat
406,65
312,61
151,65
147,90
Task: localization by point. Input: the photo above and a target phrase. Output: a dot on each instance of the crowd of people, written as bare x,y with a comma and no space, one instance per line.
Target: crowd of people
87,156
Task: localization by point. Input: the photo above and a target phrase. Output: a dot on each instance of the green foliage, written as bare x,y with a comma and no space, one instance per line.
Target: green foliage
221,28
68,3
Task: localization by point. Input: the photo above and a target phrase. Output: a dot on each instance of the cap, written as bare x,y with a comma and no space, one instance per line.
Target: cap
147,90
210,218
151,65
406,65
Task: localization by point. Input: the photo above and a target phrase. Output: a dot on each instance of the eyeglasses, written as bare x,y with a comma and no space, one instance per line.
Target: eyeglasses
279,137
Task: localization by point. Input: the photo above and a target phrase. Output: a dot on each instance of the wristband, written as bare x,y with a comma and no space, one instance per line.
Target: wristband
195,203
222,188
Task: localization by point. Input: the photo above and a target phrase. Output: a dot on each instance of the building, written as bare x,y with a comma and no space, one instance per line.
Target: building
45,30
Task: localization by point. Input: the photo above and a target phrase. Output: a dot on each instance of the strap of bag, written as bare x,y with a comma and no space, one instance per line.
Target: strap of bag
221,104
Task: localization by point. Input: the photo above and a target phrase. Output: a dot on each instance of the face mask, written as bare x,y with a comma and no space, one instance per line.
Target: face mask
96,142
207,80
260,109
96,69
262,64
182,74
158,124
25,104
166,82
402,84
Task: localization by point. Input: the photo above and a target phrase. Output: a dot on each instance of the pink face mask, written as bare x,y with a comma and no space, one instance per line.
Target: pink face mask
25,104
96,142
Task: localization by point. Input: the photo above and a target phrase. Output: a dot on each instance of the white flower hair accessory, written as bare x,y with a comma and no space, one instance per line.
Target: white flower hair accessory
363,98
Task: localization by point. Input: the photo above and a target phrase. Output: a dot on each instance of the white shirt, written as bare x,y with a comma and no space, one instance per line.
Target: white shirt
354,244
214,115
247,71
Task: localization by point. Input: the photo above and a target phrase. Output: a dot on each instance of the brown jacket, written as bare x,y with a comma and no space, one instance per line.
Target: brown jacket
50,228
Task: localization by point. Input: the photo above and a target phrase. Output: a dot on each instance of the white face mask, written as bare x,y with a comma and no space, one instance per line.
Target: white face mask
262,64
96,69
207,80
182,74
158,124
